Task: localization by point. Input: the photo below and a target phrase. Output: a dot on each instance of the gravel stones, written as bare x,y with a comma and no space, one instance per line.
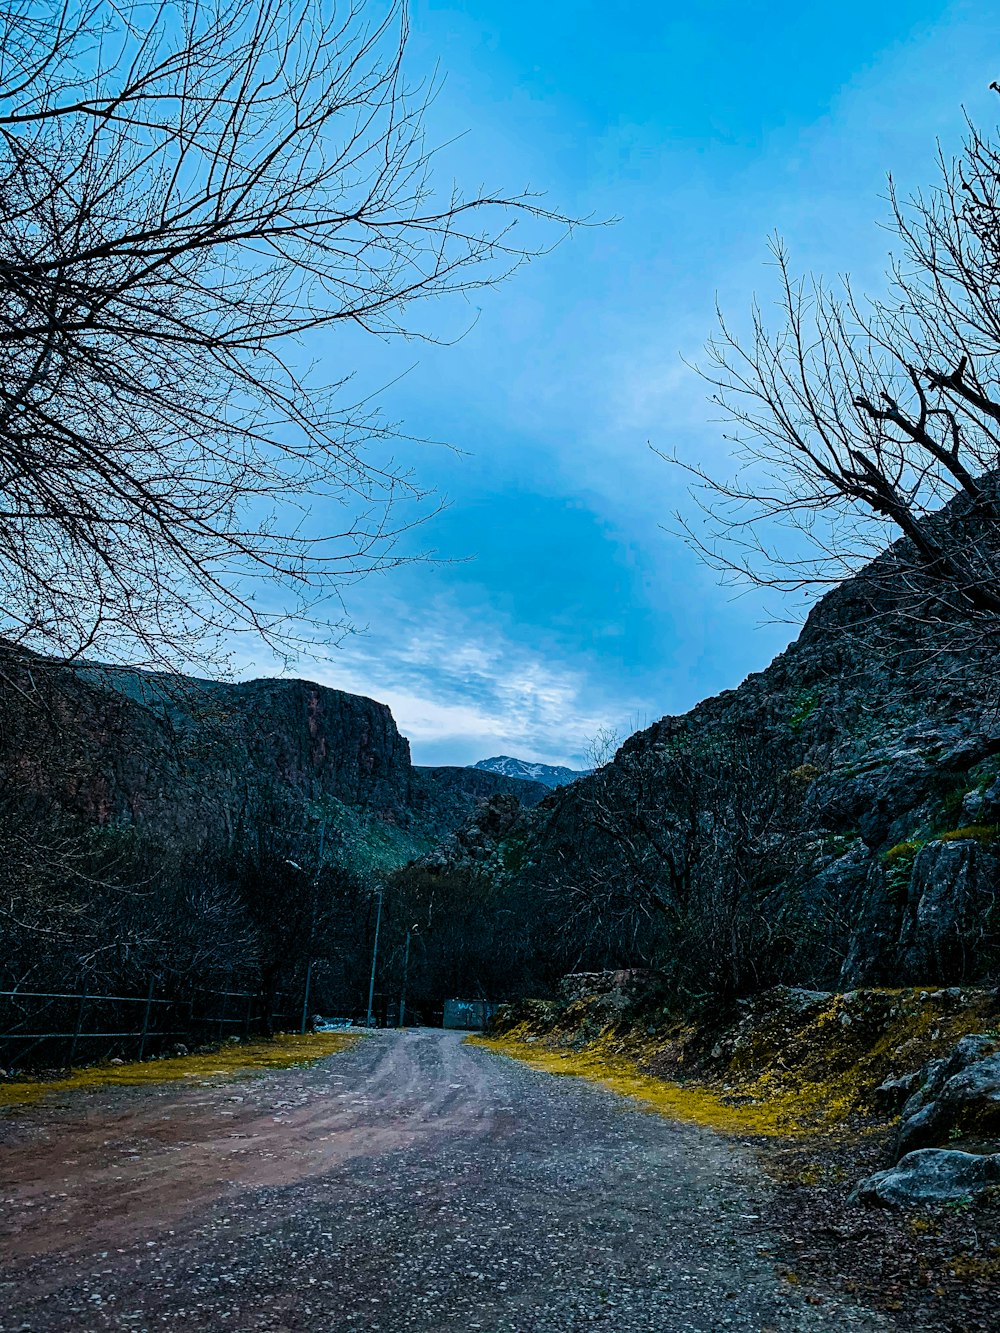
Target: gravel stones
408,1185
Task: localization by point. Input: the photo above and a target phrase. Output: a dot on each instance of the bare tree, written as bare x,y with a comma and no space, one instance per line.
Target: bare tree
95,907
859,420
601,747
686,854
189,190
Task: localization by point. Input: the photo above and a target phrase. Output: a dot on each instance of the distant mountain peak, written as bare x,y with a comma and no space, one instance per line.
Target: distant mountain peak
552,775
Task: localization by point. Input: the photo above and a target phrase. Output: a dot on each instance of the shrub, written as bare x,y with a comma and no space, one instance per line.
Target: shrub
903,852
805,706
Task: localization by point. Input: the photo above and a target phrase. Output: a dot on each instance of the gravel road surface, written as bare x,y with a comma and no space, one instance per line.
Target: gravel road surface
410,1183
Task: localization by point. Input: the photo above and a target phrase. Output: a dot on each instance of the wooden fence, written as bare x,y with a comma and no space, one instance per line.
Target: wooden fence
59,1028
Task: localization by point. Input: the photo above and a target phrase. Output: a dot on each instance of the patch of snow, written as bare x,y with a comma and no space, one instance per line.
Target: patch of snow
552,775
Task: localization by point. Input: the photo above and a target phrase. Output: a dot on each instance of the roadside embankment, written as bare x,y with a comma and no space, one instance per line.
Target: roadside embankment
791,1062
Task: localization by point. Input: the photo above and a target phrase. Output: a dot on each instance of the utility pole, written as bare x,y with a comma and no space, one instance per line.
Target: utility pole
371,987
305,998
312,925
406,970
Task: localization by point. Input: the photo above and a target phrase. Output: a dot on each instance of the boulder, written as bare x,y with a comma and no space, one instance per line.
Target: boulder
926,1086
894,1092
989,806
934,1075
968,1050
930,1175
973,1096
926,1126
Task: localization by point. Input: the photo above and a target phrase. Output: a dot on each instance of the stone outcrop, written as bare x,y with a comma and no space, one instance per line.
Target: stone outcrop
957,1094
794,1061
444,783
951,888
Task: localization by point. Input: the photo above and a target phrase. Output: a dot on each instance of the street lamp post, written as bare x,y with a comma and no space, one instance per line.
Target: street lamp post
314,885
371,986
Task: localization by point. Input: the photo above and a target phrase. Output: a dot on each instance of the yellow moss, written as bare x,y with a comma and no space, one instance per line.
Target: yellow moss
769,1114
981,1265
810,1174
902,851
980,832
234,1060
792,1074
677,1101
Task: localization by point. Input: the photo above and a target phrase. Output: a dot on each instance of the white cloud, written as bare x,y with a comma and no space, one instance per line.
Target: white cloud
474,696
460,689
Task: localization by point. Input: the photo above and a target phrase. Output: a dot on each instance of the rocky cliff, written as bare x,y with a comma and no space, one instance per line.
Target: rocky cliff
194,762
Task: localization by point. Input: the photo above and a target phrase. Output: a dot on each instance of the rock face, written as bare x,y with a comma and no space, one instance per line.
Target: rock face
960,1093
931,1176
194,762
950,891
480,784
474,844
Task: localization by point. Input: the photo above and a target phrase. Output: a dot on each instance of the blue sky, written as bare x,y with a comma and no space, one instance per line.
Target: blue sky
560,603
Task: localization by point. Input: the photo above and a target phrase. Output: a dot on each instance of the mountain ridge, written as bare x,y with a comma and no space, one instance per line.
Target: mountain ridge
550,775
191,762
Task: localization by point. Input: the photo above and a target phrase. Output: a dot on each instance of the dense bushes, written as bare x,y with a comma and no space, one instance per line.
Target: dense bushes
686,856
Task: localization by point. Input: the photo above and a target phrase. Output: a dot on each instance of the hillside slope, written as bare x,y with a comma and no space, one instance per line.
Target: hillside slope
852,789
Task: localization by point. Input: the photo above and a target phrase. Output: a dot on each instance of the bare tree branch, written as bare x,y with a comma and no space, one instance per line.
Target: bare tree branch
189,192
858,421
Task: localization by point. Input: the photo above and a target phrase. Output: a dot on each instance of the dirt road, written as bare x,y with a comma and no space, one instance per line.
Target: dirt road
411,1183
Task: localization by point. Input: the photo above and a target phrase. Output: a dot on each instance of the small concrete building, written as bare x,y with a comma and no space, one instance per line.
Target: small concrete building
467,1015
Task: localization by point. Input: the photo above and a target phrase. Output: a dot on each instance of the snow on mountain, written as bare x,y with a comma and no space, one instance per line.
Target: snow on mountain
552,775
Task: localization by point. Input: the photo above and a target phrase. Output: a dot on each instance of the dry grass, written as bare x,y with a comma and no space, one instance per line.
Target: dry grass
233,1060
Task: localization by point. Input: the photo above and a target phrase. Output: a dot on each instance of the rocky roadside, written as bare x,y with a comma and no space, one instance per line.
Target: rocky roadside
935,1267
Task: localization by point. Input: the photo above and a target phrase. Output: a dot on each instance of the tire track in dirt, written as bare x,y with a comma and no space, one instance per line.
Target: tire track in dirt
70,1180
